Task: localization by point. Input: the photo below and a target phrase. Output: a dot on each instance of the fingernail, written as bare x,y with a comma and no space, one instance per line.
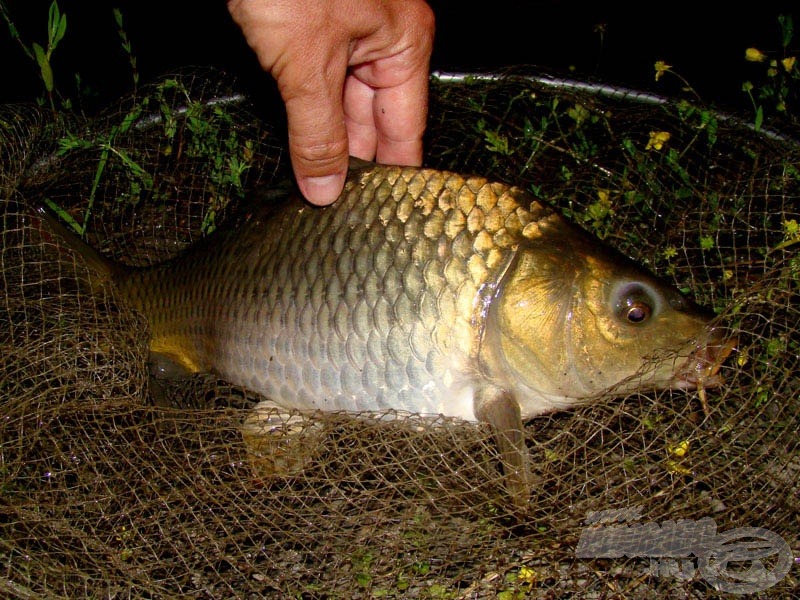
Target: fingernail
323,190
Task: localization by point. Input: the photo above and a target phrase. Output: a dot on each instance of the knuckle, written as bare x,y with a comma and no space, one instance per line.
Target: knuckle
319,157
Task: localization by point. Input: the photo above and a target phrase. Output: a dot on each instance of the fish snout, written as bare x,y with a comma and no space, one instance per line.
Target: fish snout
701,369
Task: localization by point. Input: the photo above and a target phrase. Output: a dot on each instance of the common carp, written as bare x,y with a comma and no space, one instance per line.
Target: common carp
428,292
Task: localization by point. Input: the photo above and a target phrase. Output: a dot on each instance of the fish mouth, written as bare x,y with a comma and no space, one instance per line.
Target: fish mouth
701,369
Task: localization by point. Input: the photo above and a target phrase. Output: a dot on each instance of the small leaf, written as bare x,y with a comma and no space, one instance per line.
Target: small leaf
759,118
39,52
44,67
62,29
65,216
56,26
13,31
53,17
72,142
787,28
47,76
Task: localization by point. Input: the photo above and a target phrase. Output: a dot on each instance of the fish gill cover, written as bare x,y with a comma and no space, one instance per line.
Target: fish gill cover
107,491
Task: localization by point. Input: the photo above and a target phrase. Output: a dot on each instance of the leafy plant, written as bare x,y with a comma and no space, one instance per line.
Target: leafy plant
210,136
197,130
56,30
126,46
777,89
42,54
107,148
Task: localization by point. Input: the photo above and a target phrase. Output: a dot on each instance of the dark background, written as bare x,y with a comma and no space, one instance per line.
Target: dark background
705,44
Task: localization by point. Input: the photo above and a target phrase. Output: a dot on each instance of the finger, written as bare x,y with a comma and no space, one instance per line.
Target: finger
359,118
386,123
400,114
318,143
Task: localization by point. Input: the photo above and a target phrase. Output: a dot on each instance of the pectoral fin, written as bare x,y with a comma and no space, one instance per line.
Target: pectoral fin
498,407
164,367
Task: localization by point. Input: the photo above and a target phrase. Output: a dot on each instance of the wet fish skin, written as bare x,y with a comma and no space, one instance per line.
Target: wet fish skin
423,291
416,286
373,304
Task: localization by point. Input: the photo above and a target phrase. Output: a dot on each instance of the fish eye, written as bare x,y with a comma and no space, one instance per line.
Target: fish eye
635,303
638,312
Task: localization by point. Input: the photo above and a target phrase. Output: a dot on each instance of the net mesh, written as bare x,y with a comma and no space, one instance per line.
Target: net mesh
107,491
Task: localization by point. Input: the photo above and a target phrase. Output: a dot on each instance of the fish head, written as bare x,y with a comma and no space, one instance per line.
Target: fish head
573,321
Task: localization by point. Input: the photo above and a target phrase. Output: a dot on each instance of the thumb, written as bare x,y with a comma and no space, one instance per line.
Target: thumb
317,138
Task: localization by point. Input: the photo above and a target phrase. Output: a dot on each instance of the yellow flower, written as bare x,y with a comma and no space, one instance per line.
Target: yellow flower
741,357
657,140
788,63
675,469
754,55
680,449
661,68
527,575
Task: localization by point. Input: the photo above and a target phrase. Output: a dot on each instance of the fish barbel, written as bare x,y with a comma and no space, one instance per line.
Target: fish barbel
428,292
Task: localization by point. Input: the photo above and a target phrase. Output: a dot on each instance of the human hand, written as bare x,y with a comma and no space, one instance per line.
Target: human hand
353,75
